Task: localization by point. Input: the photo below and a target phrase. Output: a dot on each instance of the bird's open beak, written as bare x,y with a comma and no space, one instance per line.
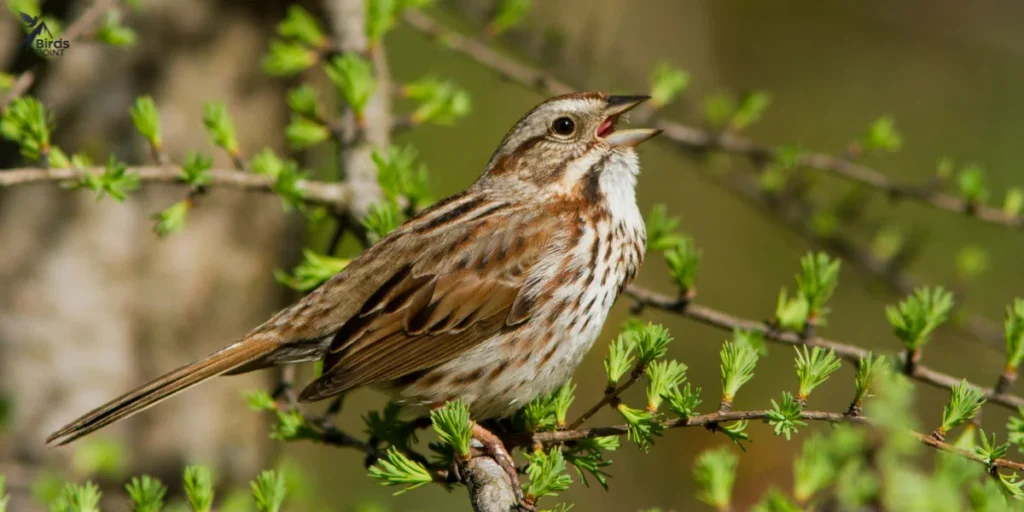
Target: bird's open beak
616,106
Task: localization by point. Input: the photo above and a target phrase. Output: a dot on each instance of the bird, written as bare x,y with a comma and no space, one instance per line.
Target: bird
492,296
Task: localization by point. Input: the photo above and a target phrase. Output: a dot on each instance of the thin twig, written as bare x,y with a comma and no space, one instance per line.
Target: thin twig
21,86
852,353
701,141
889,272
693,139
74,31
611,397
567,436
336,195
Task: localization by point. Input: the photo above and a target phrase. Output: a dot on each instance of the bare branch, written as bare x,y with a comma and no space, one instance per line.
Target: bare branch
700,141
888,272
336,195
83,23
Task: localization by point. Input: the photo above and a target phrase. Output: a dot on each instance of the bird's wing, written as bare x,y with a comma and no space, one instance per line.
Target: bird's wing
447,281
27,18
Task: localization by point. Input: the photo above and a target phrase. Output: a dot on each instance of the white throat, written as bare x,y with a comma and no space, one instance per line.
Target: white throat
618,185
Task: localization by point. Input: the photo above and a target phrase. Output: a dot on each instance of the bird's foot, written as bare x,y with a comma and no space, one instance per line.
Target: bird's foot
492,446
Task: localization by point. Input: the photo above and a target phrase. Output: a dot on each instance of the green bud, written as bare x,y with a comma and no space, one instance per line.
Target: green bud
172,219
303,133
220,127
883,136
146,118
288,59
510,13
667,83
353,77
112,32
301,26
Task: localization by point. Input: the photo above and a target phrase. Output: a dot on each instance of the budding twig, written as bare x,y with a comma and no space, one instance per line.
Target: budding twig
315,192
75,30
568,436
694,140
699,141
852,353
611,397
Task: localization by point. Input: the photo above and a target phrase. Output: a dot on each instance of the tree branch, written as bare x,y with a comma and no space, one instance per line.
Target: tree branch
703,420
700,141
897,280
336,195
490,488
611,396
348,21
696,140
852,353
74,31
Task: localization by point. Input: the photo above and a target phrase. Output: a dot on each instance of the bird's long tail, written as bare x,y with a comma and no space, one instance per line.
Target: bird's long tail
220,362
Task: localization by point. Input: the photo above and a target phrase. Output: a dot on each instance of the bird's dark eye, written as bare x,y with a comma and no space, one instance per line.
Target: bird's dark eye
563,126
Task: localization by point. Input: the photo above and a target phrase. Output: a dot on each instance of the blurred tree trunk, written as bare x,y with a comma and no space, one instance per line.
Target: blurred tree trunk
92,302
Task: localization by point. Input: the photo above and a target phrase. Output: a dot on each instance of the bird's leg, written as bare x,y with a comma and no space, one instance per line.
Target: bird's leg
492,446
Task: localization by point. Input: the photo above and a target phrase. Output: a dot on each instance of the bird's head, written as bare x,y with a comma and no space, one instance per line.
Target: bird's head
567,139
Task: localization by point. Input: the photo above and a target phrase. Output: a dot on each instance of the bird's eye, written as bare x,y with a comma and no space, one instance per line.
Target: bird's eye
563,126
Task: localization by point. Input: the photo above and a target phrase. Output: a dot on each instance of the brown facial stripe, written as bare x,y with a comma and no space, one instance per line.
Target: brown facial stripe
557,173
592,181
449,216
507,161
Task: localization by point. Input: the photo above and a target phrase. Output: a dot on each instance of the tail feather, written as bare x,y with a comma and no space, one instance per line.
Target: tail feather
174,382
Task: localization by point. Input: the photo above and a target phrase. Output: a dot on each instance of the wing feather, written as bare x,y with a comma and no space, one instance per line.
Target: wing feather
464,282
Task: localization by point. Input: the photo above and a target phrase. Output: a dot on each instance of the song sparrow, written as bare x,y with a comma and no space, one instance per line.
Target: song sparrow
492,296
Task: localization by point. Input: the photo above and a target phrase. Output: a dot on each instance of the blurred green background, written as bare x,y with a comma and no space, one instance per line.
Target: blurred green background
948,72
